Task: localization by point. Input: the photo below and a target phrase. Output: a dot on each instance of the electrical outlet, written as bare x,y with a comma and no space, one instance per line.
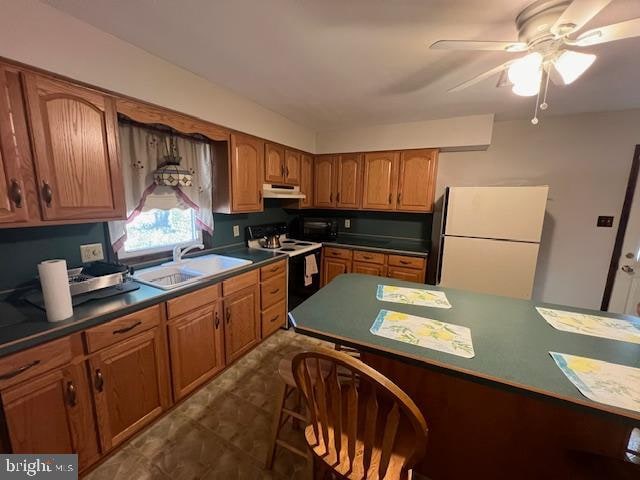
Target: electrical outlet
347,223
236,230
605,221
91,252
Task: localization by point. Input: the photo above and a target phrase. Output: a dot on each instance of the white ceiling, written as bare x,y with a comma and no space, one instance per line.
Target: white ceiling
333,63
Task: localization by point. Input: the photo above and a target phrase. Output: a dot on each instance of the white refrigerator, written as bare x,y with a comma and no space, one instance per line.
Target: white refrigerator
490,237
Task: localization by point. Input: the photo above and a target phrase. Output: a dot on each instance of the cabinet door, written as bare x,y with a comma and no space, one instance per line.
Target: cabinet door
196,348
416,180
13,202
369,269
292,167
242,322
130,386
407,274
274,167
349,180
324,181
380,180
74,135
247,157
332,267
52,414
306,180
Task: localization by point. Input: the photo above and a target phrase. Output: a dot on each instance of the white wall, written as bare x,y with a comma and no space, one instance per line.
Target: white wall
585,159
472,132
39,35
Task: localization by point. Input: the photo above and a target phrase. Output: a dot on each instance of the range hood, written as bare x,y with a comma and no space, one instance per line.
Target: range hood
270,190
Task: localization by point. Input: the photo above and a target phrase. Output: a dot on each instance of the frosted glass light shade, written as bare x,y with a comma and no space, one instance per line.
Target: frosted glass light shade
525,74
570,65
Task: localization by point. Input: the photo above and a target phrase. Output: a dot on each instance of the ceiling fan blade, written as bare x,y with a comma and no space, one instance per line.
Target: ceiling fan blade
577,14
609,33
479,78
478,45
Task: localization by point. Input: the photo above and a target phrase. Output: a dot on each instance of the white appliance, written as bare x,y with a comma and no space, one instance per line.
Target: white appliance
287,245
490,239
271,190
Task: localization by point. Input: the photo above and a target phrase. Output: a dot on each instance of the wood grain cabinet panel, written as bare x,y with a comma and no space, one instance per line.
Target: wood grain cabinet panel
273,318
306,181
273,291
324,184
196,345
332,267
369,257
242,322
130,386
349,181
74,136
380,174
408,274
274,164
368,269
247,158
52,413
292,167
272,270
416,180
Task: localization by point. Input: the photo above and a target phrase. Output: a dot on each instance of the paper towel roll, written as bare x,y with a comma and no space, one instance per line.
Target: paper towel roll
55,289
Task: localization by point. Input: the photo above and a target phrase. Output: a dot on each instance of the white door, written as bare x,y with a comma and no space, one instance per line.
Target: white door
496,267
508,213
625,297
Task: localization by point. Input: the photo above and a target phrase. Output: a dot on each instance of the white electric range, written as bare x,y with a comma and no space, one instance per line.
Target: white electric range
290,246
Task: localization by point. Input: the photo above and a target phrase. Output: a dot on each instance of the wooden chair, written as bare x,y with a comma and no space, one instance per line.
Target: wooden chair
362,426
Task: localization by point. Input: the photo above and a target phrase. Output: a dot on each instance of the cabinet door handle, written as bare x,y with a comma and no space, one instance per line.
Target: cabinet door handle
47,193
16,193
126,329
399,196
259,195
274,319
216,320
389,199
286,171
331,198
338,197
99,381
72,394
228,314
282,170
19,370
273,292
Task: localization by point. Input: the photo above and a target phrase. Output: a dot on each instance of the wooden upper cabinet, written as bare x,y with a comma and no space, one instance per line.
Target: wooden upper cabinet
274,165
13,188
247,158
416,180
349,180
380,174
306,180
324,183
242,322
75,144
292,167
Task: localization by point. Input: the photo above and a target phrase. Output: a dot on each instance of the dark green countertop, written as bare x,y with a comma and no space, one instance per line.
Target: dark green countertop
22,325
511,340
416,248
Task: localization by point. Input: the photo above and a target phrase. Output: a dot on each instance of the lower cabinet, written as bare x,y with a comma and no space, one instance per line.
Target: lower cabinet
408,274
52,413
130,385
242,322
196,345
368,269
332,267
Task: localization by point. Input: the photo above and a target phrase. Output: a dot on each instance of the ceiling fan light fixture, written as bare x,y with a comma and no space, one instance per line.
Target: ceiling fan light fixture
570,65
529,87
525,74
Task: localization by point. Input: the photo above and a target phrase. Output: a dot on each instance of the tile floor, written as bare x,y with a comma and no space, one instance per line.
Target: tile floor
220,432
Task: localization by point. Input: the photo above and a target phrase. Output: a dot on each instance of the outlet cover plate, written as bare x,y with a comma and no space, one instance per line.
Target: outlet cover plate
236,230
91,252
347,223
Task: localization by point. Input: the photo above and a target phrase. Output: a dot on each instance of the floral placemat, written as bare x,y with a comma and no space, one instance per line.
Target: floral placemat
412,296
603,382
594,325
424,332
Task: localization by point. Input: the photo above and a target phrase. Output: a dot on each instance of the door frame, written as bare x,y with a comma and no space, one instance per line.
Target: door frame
622,229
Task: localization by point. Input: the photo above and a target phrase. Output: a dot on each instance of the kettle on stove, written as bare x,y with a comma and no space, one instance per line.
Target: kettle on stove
270,241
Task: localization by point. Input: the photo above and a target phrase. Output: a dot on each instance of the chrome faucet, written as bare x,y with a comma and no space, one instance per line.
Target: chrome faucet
179,252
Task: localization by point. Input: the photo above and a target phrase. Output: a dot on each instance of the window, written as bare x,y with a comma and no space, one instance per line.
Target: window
157,231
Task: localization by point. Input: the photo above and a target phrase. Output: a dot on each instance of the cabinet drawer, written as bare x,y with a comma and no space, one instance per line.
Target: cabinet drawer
272,291
121,328
273,318
236,284
193,300
345,253
272,270
34,361
370,257
407,262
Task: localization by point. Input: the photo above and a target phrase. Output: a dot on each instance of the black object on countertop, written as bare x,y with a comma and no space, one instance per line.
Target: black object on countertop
34,297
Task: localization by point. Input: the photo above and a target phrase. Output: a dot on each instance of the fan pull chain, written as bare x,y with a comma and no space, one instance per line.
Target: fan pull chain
544,105
534,120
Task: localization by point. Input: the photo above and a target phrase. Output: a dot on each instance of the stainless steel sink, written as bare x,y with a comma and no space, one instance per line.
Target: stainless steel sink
175,275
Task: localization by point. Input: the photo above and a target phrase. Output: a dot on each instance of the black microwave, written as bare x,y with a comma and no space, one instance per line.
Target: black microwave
317,229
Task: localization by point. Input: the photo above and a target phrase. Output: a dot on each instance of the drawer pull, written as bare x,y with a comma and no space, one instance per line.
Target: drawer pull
367,257
275,269
404,262
216,320
274,319
19,370
273,292
72,394
126,329
99,381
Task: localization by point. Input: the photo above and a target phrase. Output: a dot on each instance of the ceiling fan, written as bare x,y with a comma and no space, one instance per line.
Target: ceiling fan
547,32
